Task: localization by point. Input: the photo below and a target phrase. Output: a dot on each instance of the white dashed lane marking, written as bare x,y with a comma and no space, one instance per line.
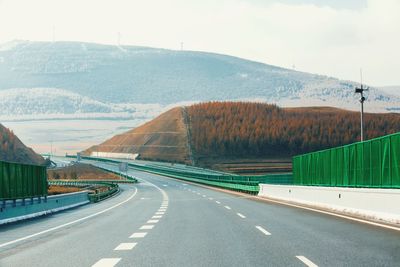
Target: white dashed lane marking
227,207
217,202
262,230
156,217
152,221
125,246
138,235
160,212
241,215
147,227
306,261
107,262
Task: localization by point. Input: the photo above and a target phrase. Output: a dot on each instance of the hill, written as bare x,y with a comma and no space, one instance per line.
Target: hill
13,150
223,135
164,138
94,80
261,130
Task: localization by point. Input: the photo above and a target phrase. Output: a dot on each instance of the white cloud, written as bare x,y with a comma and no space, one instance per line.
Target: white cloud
318,39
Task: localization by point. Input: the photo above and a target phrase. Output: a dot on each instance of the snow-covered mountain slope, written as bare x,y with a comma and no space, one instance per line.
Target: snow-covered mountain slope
105,79
394,90
52,103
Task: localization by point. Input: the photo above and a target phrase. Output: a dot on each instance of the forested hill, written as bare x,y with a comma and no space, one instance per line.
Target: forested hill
13,150
243,130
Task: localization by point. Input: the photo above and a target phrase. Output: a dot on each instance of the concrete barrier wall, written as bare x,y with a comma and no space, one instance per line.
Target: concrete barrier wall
30,208
376,204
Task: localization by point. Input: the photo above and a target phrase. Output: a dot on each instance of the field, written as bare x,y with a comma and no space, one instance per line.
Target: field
56,189
80,171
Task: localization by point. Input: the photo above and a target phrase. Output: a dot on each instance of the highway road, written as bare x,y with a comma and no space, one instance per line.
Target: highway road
166,222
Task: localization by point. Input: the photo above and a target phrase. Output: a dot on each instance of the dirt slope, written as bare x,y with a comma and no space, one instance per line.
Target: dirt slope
13,150
163,138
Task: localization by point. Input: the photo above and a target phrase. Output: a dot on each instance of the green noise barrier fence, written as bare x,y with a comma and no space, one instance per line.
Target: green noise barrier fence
248,184
22,181
373,163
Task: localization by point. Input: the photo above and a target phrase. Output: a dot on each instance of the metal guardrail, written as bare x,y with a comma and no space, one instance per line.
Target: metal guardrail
248,184
96,196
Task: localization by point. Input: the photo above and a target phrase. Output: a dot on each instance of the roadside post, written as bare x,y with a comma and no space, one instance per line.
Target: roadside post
123,167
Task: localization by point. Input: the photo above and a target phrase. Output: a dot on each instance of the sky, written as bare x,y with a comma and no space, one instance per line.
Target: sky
329,37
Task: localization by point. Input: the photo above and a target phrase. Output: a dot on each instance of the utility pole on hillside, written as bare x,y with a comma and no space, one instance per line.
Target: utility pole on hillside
360,90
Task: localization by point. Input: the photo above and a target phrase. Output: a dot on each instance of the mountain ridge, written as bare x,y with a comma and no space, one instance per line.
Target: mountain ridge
115,75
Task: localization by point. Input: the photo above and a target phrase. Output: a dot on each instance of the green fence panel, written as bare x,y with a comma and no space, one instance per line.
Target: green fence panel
376,162
346,166
395,159
373,163
22,180
386,172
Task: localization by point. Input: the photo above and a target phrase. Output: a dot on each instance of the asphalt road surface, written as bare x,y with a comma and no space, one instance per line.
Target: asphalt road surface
166,222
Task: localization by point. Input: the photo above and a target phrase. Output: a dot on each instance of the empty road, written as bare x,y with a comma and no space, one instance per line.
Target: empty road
166,222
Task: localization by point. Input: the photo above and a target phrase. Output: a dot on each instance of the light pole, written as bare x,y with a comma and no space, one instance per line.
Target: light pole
360,90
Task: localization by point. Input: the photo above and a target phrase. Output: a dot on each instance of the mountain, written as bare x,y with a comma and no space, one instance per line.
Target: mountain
164,139
224,132
13,150
49,103
394,90
93,79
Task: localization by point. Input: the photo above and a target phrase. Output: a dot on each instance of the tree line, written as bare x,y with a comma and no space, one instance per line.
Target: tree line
243,129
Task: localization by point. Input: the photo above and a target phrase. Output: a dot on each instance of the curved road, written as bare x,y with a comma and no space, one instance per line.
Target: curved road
166,222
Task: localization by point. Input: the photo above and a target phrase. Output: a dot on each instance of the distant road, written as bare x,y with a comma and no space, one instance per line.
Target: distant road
165,222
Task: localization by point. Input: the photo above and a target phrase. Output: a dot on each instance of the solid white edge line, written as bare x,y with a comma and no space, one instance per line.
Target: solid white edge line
241,215
306,261
332,214
262,230
106,262
69,223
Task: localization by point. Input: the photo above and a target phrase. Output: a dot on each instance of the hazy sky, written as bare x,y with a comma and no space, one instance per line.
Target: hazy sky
332,37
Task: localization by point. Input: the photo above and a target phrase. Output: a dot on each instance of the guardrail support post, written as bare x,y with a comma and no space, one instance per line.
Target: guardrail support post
31,200
45,199
23,202
4,203
14,203
39,199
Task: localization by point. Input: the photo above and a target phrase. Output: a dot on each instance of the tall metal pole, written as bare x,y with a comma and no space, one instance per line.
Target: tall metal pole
361,90
362,116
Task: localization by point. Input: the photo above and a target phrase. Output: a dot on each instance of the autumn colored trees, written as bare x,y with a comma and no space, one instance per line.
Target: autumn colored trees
242,129
13,150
